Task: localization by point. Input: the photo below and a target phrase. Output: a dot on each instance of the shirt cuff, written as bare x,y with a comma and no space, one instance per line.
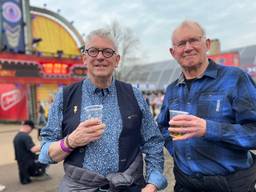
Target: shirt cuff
43,156
157,179
213,131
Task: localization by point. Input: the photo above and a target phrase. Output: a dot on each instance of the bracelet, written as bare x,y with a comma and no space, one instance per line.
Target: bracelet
67,142
64,148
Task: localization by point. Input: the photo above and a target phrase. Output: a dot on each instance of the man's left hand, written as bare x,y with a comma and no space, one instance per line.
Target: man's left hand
149,188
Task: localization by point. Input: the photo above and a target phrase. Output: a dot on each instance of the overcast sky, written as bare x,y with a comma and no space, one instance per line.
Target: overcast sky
152,21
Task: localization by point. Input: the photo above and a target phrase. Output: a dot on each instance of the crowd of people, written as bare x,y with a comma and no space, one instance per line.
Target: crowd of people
210,143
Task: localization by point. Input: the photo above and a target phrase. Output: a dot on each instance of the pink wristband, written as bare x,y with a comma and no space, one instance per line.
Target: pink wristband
64,148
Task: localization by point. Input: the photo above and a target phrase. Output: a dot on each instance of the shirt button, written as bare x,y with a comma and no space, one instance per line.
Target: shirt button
81,150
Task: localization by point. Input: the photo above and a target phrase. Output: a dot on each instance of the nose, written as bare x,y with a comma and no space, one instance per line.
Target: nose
188,43
188,46
100,55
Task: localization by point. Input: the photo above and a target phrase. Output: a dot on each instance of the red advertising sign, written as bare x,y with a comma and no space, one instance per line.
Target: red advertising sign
13,102
228,59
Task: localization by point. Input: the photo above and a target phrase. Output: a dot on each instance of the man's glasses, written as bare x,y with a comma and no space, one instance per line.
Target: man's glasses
195,41
93,52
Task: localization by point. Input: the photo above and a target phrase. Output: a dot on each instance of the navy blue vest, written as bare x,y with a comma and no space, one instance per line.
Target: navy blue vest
130,138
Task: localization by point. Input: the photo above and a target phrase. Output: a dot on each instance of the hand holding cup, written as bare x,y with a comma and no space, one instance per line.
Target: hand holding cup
172,114
184,126
91,129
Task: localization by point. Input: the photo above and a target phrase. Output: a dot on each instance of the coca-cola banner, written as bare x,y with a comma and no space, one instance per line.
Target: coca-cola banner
13,102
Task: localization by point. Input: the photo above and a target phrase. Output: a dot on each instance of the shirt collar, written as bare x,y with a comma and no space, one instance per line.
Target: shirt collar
211,71
92,89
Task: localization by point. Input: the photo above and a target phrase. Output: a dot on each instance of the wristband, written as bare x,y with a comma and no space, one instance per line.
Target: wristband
67,142
64,148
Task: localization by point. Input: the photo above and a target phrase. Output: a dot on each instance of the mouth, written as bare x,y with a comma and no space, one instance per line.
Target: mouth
189,56
100,67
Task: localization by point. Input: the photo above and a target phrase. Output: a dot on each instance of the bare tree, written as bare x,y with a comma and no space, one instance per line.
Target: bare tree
127,44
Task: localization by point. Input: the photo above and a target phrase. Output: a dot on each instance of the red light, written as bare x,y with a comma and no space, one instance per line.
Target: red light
55,68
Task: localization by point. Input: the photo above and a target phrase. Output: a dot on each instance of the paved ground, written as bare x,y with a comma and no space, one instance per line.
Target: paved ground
9,172
9,177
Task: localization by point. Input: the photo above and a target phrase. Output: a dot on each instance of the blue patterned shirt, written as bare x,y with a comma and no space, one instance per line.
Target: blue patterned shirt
102,155
226,98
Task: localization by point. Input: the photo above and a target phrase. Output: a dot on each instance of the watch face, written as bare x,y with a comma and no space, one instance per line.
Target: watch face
11,12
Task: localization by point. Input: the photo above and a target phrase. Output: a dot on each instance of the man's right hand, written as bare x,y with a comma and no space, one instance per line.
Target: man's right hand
188,126
86,132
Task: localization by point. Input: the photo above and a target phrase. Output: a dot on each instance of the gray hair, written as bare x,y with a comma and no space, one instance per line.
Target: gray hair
103,33
189,23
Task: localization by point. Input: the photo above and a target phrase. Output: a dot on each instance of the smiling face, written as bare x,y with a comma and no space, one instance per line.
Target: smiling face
99,67
190,47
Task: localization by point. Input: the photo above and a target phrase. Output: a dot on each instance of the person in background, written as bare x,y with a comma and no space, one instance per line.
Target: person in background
41,114
212,150
103,155
145,95
26,154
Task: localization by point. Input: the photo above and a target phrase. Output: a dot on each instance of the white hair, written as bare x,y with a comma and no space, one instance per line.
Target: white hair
103,33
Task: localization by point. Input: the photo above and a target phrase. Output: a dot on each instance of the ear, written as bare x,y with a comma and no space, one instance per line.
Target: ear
208,44
84,58
172,51
117,60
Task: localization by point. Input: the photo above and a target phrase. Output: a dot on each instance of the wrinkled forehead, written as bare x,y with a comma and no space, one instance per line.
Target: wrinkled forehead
186,31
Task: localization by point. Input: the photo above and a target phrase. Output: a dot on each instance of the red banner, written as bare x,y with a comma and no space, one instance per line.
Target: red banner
13,102
228,59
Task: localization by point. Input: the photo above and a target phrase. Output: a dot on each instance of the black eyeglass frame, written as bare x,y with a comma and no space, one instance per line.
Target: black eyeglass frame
106,52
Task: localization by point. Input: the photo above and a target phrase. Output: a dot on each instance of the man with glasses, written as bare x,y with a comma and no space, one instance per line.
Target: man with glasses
103,155
210,146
